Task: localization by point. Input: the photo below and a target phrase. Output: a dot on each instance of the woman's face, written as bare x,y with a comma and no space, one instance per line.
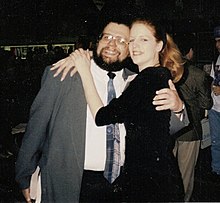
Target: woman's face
144,49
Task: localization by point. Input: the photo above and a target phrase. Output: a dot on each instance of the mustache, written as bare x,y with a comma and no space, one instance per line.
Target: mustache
108,66
115,66
106,49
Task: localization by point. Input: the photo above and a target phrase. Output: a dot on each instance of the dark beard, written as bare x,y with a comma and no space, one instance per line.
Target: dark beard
114,66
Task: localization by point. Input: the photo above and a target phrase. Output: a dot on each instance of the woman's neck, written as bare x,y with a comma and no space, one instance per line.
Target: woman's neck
147,66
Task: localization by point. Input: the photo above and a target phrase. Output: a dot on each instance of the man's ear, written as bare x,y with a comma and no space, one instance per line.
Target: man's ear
159,46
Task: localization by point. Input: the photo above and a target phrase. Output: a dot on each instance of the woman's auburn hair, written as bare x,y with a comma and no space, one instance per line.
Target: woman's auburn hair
170,55
171,58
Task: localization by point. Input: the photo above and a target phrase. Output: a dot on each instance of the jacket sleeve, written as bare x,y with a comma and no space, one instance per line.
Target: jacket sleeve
36,131
176,124
204,90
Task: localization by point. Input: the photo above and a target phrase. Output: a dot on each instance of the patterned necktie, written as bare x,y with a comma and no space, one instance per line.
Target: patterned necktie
112,164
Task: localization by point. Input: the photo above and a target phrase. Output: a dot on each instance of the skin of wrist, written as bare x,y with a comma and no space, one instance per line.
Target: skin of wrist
180,110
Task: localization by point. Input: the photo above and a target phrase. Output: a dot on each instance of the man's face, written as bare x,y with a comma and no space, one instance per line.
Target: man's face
217,43
113,46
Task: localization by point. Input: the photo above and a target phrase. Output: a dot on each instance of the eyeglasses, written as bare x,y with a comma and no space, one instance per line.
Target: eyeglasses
120,41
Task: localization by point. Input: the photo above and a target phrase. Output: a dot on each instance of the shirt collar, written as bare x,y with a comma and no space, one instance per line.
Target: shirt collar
103,73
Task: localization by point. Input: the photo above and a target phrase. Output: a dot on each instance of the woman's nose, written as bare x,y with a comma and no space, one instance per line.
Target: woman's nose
134,44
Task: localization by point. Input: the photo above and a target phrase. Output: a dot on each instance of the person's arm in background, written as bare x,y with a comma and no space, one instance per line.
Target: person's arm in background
35,135
204,85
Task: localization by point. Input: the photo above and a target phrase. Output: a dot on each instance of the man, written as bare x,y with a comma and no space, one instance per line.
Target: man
60,121
186,44
214,113
194,88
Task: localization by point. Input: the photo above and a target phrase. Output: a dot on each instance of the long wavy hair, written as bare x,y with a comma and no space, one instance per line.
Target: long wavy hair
171,58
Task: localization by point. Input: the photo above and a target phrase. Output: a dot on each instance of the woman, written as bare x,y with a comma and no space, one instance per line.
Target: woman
150,172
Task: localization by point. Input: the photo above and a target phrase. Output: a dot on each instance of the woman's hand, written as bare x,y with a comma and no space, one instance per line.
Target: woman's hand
82,62
65,66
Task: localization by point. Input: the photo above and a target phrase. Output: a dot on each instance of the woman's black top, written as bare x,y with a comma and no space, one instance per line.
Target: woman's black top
148,142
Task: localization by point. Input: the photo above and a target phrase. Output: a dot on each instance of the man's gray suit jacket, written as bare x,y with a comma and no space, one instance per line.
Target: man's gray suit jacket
55,139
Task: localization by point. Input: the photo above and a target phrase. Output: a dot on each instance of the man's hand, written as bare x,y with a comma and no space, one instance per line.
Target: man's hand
168,98
216,90
27,196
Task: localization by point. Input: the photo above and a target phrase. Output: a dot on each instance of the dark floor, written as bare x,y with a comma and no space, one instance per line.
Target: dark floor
207,187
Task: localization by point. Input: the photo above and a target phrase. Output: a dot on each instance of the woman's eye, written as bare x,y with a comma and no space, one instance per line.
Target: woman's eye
131,40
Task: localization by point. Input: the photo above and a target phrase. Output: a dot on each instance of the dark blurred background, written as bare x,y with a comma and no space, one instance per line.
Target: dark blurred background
42,20
25,22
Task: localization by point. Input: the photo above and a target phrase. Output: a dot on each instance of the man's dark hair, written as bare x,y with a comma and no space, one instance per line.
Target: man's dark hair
121,13
185,41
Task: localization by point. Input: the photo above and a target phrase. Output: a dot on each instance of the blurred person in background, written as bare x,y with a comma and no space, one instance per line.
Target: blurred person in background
186,43
214,113
194,87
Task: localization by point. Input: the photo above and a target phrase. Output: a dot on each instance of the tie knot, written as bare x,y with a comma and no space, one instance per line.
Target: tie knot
111,75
